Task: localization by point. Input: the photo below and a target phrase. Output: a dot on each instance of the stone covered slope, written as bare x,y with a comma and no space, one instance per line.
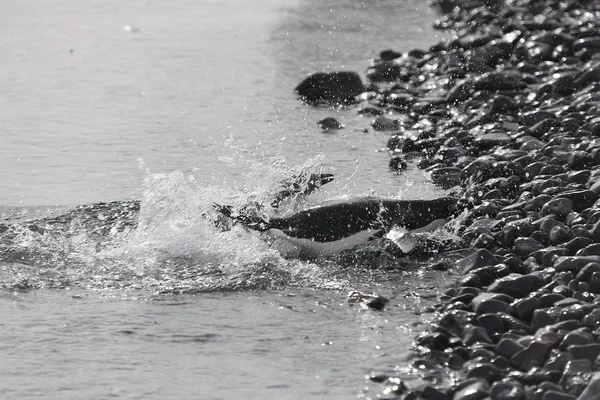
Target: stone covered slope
508,114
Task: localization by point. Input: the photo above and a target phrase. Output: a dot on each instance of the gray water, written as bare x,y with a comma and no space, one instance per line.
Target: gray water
181,104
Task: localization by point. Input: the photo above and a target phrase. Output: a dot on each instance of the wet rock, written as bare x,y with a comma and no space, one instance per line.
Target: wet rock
580,199
487,141
472,390
525,308
559,206
446,177
476,334
516,285
526,246
508,348
554,395
488,372
585,351
334,87
330,123
592,391
492,323
434,341
574,264
541,318
507,390
533,355
397,164
383,123
480,258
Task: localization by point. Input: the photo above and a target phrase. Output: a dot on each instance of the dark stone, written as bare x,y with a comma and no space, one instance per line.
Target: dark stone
480,258
575,338
488,372
383,123
516,285
377,302
476,334
580,199
585,351
590,250
508,348
487,141
592,391
526,307
553,395
574,264
526,246
434,341
334,87
507,390
492,323
559,206
577,244
330,123
533,355
541,318
397,164
472,390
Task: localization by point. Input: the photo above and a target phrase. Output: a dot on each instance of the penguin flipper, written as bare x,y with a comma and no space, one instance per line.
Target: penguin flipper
250,221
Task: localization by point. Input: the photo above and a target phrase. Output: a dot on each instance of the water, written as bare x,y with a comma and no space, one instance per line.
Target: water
175,106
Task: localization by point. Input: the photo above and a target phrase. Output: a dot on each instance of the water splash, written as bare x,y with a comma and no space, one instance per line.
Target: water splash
165,243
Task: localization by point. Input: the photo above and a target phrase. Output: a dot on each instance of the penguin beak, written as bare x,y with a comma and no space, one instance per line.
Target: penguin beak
326,178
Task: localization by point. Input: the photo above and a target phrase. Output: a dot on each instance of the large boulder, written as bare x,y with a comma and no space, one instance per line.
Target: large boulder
333,87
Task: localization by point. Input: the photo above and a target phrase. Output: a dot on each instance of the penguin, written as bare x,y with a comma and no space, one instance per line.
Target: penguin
332,228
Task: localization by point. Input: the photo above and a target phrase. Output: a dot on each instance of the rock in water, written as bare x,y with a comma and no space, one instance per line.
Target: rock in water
330,123
335,87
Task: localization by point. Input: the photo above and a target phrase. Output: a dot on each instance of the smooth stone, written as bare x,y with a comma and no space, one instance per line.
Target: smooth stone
490,273
508,348
577,244
338,87
559,206
383,123
434,341
592,320
557,361
476,390
526,307
492,306
549,299
431,393
552,395
585,351
526,246
575,338
590,250
330,123
558,235
533,355
580,199
516,285
492,323
507,390
574,263
592,391
476,334
541,318
480,258
488,372
586,272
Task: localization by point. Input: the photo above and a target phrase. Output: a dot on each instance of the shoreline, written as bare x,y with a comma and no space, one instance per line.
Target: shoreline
507,115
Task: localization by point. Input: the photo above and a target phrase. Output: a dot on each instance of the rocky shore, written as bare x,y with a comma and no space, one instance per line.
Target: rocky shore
506,114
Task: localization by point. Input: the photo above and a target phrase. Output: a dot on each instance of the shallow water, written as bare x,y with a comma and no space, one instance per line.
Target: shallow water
179,105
